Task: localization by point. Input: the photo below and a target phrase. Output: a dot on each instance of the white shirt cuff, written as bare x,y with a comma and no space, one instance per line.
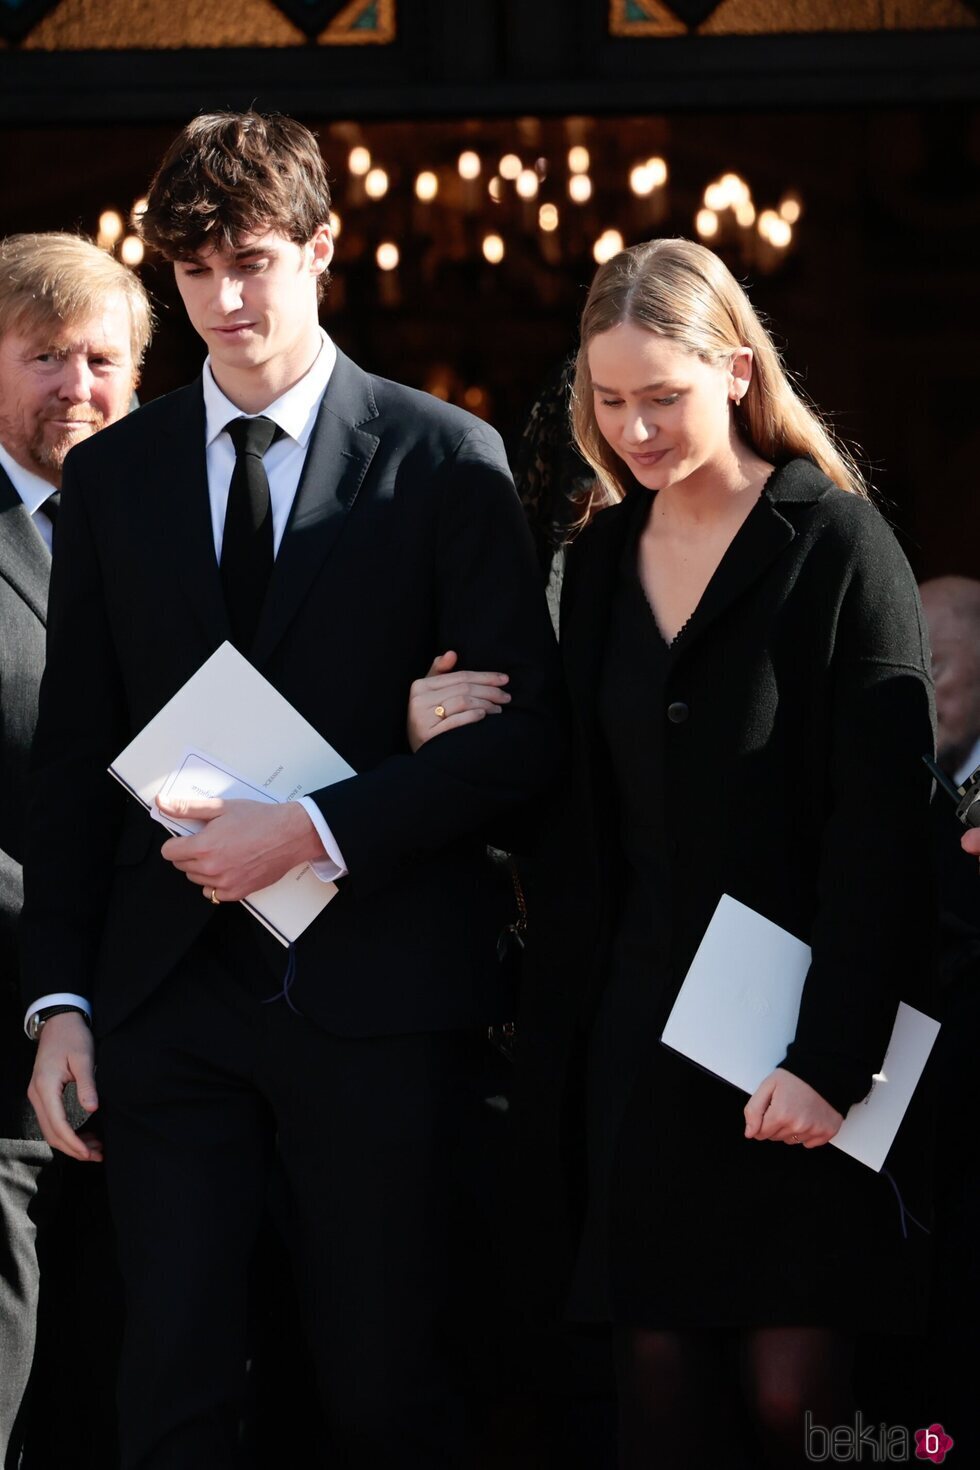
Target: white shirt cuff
59,998
332,867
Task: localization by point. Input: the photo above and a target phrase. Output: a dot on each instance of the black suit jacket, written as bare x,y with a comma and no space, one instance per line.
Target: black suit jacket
25,565
405,538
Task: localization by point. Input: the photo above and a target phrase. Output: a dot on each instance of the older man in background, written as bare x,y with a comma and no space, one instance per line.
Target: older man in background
952,609
74,325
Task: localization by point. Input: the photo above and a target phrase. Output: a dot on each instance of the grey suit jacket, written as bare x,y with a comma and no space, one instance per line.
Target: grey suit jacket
25,565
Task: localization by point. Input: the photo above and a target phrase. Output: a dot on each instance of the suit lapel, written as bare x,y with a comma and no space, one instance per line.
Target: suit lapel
25,561
339,454
176,476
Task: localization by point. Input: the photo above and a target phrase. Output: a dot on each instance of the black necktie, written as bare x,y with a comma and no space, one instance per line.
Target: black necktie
247,543
52,505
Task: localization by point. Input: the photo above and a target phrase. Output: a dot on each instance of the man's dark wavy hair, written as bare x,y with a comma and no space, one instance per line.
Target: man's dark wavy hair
229,175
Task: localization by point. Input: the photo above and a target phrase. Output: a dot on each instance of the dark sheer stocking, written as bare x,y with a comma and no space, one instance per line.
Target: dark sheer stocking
787,1371
691,1400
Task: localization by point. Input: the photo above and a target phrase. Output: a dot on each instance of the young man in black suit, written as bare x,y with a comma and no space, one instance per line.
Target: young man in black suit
339,529
74,325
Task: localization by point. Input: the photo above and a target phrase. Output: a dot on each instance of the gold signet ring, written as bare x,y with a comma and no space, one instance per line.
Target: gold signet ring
440,711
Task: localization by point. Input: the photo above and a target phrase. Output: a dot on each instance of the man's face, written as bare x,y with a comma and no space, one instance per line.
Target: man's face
956,674
61,384
256,306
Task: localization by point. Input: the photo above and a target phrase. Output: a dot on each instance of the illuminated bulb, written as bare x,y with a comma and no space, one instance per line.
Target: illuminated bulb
336,225
426,186
359,160
527,183
509,166
469,165
387,255
548,217
580,188
493,249
138,210
609,243
780,233
110,225
376,184
438,385
736,189
745,214
131,250
716,197
657,169
640,181
706,223
791,209
495,189
767,219
578,160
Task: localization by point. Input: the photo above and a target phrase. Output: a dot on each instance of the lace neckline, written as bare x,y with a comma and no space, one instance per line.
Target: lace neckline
633,562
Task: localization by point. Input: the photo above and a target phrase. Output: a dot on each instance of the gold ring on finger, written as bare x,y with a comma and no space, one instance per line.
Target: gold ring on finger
213,896
440,711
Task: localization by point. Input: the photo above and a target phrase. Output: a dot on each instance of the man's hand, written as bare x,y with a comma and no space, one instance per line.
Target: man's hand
65,1053
970,841
786,1109
245,846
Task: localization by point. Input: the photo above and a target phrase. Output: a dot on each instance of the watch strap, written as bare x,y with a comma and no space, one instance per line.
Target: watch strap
46,1012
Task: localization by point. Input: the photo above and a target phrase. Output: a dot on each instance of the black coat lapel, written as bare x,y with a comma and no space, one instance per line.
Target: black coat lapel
176,470
25,561
339,454
764,534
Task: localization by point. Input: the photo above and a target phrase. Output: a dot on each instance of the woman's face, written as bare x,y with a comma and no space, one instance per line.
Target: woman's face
665,413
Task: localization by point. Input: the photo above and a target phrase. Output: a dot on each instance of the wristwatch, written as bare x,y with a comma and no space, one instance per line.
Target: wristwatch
45,1013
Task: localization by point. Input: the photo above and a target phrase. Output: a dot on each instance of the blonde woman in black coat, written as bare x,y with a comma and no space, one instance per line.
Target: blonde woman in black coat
748,673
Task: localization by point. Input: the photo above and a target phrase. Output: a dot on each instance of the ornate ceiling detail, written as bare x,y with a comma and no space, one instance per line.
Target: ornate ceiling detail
658,17
17,17
343,22
693,12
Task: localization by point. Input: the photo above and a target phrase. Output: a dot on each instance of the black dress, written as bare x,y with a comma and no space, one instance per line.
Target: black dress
689,1224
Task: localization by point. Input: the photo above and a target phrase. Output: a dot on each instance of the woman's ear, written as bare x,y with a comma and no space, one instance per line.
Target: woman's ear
740,373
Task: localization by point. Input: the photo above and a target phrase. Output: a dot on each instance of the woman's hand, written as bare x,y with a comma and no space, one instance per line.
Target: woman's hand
449,697
785,1109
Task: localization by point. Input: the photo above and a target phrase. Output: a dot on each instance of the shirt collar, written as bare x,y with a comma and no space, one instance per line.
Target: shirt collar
32,490
968,767
295,411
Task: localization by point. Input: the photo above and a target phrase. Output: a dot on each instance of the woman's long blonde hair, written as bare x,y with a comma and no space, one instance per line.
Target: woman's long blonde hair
686,294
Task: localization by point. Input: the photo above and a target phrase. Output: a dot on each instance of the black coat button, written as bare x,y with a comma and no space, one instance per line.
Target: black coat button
677,712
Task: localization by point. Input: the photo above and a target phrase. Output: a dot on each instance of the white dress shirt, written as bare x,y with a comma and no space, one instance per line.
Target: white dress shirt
968,767
295,412
33,491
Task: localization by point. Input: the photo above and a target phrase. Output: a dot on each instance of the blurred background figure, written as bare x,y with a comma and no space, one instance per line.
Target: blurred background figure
952,608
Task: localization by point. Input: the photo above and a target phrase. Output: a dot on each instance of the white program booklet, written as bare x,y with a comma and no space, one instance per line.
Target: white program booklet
737,1010
229,733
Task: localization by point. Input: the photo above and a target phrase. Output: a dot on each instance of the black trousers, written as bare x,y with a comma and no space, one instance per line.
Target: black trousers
202,1090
